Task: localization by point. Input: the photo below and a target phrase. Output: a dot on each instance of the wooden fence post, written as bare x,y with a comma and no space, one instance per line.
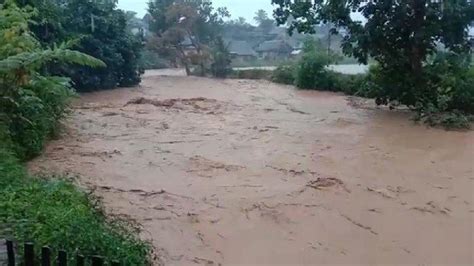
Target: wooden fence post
62,258
29,254
97,261
10,253
80,260
45,256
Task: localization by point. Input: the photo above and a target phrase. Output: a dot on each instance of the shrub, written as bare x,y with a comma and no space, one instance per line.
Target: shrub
346,83
284,74
11,169
446,98
451,84
221,59
151,60
36,113
252,74
311,71
433,116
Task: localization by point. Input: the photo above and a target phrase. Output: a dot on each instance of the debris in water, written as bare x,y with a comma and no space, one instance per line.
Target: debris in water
433,208
178,103
382,192
326,183
368,228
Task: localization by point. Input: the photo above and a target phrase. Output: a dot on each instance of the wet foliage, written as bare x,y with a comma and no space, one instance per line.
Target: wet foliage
422,48
46,211
96,28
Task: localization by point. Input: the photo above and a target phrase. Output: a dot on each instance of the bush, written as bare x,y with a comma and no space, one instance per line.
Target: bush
446,96
252,74
350,84
221,59
432,116
451,83
34,117
311,72
284,74
151,60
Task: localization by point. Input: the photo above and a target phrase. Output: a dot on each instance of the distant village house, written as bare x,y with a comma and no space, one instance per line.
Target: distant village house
274,49
241,51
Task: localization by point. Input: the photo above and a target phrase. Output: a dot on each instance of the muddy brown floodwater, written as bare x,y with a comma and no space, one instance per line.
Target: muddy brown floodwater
250,172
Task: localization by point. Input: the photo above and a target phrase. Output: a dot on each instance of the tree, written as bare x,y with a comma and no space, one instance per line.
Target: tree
400,35
99,29
264,22
241,21
221,58
184,29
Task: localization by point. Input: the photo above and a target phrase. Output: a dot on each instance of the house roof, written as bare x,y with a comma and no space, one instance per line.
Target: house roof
278,31
274,46
241,48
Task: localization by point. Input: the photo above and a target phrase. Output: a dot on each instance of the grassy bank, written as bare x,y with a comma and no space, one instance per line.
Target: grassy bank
54,212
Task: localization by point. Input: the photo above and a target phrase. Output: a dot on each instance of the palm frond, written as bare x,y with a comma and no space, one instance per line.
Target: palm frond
35,59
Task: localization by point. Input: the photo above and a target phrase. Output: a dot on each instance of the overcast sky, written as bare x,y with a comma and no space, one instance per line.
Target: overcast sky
237,8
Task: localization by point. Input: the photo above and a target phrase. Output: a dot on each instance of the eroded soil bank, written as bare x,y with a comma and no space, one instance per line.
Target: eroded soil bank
237,171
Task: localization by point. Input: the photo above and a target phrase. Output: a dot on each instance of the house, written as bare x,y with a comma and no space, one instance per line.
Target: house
274,49
277,32
241,51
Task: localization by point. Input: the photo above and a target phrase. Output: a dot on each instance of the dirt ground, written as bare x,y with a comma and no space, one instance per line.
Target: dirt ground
250,172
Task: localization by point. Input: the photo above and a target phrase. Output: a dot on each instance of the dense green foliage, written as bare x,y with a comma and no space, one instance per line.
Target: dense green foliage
284,74
152,60
311,71
45,211
405,38
99,29
301,74
31,104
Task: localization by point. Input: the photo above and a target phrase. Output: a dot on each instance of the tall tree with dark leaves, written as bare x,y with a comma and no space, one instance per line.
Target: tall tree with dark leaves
184,29
263,21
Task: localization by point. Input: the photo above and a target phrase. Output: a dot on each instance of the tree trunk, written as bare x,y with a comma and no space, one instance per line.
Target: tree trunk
418,49
186,67
197,44
184,60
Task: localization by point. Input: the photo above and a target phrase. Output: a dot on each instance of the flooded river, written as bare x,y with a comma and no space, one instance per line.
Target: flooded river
250,172
351,69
